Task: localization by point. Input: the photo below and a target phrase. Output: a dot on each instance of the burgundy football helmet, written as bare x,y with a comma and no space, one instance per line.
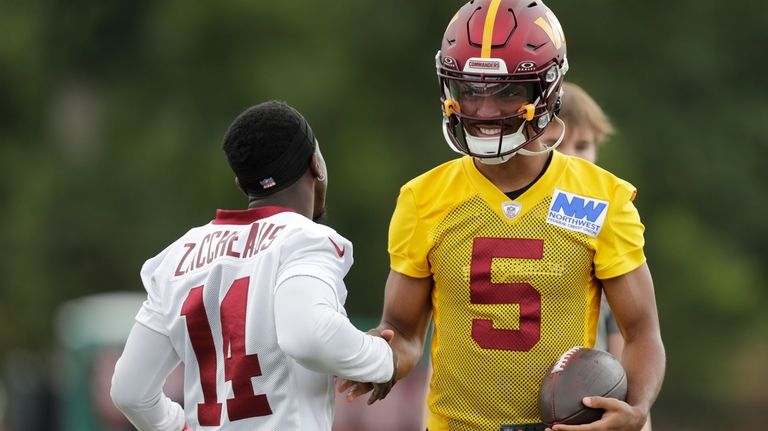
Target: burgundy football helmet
500,68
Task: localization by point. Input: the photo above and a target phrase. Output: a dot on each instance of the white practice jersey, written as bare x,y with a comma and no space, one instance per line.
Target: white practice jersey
212,293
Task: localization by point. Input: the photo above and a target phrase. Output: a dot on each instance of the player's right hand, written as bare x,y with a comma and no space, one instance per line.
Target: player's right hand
353,389
380,390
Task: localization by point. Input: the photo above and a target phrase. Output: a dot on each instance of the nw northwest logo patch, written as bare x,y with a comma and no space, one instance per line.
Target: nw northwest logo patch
577,213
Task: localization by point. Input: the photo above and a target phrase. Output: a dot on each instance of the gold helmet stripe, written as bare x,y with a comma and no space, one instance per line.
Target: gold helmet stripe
490,18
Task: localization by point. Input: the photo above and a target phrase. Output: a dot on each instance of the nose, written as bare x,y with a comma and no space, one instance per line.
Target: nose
488,107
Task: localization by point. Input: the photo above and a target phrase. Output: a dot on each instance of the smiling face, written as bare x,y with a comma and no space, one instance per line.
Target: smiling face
488,106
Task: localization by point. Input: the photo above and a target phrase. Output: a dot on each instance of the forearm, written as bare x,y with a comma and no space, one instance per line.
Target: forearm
407,312
408,346
138,380
633,302
644,360
158,414
323,339
615,344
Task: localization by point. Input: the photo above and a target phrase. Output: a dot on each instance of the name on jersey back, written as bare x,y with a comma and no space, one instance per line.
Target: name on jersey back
223,243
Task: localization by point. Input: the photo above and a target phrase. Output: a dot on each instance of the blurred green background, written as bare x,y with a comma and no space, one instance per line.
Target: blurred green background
112,116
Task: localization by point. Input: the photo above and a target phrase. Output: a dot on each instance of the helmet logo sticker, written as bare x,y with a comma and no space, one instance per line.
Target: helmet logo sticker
450,62
485,64
526,66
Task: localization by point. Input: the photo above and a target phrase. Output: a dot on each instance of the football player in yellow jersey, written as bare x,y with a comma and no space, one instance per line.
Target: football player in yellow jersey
507,247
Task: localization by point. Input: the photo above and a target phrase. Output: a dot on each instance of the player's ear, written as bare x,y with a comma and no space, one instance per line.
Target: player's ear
313,166
318,166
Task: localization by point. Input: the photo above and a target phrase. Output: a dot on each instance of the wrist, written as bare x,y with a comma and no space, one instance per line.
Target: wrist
642,412
643,408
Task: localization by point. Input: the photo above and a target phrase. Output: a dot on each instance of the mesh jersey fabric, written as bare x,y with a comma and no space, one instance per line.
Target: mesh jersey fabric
512,288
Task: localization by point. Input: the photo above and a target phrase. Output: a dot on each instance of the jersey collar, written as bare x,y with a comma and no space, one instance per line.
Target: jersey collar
248,216
495,197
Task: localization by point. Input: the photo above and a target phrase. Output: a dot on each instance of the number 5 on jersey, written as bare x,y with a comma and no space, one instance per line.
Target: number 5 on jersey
483,291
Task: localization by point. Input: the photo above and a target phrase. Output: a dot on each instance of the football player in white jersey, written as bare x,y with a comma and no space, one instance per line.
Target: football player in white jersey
253,302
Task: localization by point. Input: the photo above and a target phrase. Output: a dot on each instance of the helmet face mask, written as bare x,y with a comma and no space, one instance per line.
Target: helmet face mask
486,101
490,111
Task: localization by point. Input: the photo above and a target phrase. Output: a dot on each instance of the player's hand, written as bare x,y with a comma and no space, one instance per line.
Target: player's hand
186,428
353,389
380,390
618,416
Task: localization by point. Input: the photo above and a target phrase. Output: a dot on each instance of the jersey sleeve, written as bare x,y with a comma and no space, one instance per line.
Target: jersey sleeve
408,241
314,261
150,314
317,251
324,340
620,243
137,392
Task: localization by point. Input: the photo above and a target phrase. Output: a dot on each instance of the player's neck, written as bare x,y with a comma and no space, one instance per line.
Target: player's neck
293,197
514,174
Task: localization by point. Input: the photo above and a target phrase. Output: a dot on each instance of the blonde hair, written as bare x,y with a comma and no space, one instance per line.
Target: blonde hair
581,110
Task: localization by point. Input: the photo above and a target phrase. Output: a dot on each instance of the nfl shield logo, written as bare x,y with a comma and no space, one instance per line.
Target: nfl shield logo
511,209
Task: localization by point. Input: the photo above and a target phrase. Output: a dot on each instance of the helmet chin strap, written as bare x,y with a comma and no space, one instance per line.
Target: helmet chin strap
448,139
502,159
485,145
524,152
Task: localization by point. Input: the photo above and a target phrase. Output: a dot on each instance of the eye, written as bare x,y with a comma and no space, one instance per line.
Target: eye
515,91
472,92
463,90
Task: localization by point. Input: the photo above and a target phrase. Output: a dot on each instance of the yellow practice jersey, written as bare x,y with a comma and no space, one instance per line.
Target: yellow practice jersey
515,281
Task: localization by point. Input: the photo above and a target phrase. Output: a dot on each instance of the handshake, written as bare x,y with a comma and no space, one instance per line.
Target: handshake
380,390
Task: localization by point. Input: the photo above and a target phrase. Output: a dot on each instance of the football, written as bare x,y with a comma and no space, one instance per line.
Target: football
578,373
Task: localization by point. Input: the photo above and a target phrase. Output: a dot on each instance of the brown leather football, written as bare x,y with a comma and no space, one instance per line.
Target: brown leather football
578,373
